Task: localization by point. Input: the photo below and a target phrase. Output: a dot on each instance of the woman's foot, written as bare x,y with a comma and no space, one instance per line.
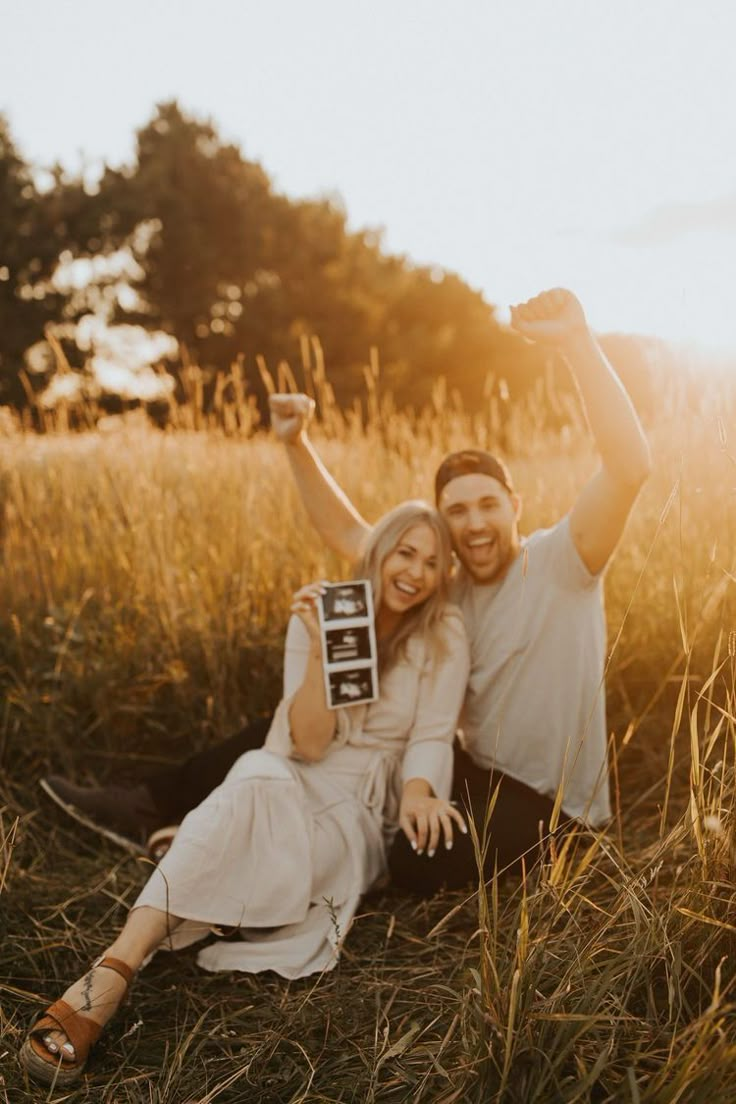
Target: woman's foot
97,995
56,1049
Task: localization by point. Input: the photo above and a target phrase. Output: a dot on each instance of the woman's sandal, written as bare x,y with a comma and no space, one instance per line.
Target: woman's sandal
82,1032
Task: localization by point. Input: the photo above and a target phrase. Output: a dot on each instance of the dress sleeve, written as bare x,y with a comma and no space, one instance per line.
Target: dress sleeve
440,697
296,655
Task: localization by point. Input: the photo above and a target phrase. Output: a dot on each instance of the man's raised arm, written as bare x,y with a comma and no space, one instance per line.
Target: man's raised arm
599,515
330,510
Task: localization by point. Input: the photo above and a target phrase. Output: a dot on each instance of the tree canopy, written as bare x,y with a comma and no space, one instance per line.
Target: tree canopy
233,269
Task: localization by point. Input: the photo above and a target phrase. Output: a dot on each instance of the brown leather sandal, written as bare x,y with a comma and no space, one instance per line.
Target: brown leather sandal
59,1069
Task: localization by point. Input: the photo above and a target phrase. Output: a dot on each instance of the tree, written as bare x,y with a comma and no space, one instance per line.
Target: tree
31,238
232,269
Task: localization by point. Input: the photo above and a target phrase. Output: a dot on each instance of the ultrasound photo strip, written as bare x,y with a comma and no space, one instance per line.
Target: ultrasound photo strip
348,643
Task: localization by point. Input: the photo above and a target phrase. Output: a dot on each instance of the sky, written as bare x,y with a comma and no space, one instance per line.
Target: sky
523,144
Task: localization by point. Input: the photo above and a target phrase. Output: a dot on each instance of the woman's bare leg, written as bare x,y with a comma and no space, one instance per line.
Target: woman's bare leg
98,993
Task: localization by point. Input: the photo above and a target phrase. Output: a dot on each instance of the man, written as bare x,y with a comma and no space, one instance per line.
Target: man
534,754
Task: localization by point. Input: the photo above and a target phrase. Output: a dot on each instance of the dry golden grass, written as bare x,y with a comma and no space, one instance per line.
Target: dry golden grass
145,582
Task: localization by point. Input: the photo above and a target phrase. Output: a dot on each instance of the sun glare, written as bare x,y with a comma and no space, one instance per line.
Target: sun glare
526,169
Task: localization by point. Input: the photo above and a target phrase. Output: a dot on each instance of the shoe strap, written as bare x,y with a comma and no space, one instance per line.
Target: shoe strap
117,965
81,1031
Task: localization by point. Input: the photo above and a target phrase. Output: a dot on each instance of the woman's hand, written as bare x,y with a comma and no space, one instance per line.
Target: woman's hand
424,818
304,605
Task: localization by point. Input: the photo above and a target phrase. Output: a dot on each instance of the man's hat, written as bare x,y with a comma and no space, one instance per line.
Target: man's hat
468,462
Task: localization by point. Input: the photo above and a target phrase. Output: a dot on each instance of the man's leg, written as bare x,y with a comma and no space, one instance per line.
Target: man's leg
445,870
519,819
128,814
181,787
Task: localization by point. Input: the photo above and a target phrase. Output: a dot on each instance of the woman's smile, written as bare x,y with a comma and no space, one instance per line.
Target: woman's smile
409,573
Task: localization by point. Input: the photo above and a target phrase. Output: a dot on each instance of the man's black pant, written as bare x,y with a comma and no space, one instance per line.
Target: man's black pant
520,816
182,787
517,830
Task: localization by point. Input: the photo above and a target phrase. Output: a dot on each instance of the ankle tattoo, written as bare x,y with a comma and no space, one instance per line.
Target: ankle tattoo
87,991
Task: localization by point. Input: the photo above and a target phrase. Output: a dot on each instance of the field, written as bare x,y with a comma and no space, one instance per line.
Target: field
144,587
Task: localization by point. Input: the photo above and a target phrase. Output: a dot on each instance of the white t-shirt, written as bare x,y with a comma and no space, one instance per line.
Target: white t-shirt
535,704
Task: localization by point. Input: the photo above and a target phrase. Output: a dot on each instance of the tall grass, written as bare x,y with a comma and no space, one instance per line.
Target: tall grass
145,583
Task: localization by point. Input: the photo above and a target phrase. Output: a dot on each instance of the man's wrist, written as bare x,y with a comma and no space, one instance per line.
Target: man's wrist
578,345
295,444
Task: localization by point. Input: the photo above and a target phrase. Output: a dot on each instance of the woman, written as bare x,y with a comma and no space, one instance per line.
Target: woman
298,831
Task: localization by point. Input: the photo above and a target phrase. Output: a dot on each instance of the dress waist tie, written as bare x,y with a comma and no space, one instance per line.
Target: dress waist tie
381,791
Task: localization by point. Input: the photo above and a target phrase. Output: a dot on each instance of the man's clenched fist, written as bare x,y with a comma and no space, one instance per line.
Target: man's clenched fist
555,317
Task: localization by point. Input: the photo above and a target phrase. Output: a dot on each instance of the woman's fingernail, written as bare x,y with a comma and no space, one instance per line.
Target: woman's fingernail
413,845
420,851
448,845
430,854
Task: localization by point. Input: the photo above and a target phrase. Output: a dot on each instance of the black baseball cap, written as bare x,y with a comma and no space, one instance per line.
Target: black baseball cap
468,462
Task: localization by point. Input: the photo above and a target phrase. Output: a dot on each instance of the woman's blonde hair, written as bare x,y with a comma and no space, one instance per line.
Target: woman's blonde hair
423,619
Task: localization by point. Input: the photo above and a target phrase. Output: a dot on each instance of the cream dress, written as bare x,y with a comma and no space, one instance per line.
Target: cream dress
284,849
